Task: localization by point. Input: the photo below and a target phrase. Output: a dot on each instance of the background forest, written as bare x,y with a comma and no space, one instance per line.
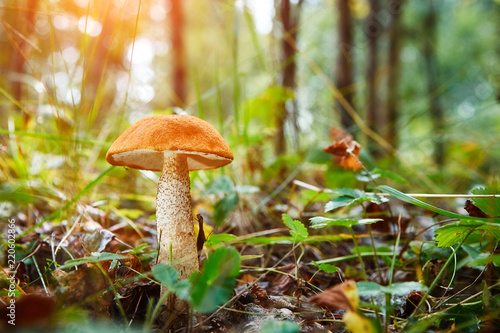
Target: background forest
415,83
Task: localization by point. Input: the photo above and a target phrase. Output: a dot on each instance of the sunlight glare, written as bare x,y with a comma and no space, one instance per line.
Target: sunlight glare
143,52
71,54
81,3
61,22
93,27
158,13
263,13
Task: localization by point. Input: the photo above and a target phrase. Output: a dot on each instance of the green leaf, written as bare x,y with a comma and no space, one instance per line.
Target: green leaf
455,232
183,288
246,189
166,275
388,261
327,268
136,250
223,207
490,206
92,259
285,326
367,288
404,288
476,259
338,202
297,229
216,239
321,222
377,173
214,285
221,185
350,197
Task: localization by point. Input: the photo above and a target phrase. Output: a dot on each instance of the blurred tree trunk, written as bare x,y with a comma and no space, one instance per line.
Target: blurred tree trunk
432,74
93,96
372,31
289,19
178,61
24,24
344,66
395,34
496,68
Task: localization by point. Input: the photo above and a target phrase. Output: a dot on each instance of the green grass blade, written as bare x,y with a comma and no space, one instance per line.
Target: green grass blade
403,197
54,137
70,203
352,257
12,99
199,100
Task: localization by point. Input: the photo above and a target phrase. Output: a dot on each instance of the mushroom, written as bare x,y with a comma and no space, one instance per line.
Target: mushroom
174,145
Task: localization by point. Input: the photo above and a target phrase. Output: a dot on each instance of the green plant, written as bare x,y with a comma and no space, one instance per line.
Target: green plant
205,290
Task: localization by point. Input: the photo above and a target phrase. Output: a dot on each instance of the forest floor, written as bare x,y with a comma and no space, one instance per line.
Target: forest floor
285,257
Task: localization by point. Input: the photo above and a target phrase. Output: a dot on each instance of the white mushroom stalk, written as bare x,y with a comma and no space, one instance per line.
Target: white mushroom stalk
174,218
174,145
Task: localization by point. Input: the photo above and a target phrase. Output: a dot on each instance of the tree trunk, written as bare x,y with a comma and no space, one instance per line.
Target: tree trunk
396,6
344,67
179,60
289,18
372,31
432,73
24,23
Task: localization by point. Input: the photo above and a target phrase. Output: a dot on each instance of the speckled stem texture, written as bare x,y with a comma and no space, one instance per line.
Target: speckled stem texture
174,217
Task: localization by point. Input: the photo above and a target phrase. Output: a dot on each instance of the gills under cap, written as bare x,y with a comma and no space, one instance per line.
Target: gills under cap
142,146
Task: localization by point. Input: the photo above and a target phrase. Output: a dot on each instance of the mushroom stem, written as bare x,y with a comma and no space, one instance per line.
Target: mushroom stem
174,218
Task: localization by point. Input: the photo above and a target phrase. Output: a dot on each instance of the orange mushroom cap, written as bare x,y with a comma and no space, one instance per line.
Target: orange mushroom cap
142,146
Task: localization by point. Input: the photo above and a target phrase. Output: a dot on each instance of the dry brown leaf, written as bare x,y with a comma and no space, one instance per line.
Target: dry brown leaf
345,149
474,211
246,278
283,282
411,303
32,310
343,296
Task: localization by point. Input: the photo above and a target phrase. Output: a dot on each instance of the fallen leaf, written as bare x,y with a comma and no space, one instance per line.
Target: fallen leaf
77,285
411,303
343,296
135,298
282,282
474,211
245,278
345,149
97,240
32,310
356,323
